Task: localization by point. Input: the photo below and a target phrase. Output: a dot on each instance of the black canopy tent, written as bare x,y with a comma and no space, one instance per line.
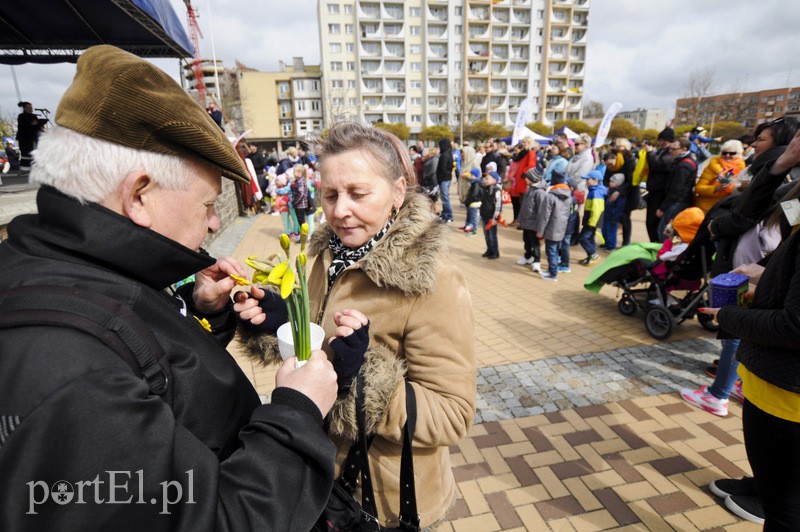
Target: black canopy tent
57,31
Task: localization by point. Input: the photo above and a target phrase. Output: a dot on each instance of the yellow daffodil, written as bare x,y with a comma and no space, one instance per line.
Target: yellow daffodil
285,243
303,237
260,277
257,264
203,323
287,284
302,258
241,281
277,273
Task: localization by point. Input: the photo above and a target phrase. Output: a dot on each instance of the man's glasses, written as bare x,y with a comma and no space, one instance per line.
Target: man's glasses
730,153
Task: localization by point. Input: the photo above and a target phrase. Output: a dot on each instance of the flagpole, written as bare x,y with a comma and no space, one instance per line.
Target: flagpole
214,55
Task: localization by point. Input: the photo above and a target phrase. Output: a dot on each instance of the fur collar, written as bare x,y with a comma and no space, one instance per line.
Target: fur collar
406,258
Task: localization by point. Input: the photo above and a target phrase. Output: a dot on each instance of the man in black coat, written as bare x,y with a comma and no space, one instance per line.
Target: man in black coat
680,186
85,441
659,163
444,176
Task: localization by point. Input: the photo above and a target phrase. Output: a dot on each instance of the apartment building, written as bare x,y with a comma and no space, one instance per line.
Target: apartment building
280,105
439,62
747,108
646,118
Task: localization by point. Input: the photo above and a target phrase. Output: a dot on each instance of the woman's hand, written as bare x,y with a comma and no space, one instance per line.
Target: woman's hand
752,271
349,343
260,310
710,311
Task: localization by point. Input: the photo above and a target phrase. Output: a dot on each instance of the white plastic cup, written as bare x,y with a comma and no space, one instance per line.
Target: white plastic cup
286,342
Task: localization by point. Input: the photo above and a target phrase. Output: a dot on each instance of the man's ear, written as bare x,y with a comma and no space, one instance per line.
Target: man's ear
136,195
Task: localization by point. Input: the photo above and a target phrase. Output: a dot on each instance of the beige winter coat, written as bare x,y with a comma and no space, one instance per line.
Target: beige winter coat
421,327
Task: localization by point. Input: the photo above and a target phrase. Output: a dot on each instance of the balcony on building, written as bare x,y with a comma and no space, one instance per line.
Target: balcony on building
518,86
500,33
437,103
393,11
478,50
395,86
514,102
519,52
476,102
437,51
394,103
478,68
370,10
395,118
559,34
555,103
437,31
498,102
437,69
370,30
581,5
574,103
394,68
477,85
556,86
500,52
580,19
500,16
371,69
558,51
498,118
478,12
519,69
579,37
520,16
478,31
393,31
522,4
518,34
577,54
437,86
559,17
394,49
499,86
373,118
371,49
557,70
499,68
438,13
576,70
373,104
437,118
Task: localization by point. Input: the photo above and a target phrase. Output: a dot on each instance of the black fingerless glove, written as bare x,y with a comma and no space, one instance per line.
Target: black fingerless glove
274,306
348,356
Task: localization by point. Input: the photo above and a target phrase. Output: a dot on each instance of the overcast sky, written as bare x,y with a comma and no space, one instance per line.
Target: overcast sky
639,53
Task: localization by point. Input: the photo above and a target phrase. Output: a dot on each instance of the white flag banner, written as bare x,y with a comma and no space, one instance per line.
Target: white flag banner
254,186
523,115
605,125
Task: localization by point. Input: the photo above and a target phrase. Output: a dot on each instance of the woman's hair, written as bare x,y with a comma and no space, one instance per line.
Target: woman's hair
300,167
532,144
777,210
585,138
625,144
733,145
89,169
291,151
783,130
387,151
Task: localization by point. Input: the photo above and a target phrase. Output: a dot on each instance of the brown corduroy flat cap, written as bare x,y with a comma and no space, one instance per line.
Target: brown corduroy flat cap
121,98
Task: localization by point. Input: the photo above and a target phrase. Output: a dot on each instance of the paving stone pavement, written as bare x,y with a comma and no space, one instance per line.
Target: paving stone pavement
578,426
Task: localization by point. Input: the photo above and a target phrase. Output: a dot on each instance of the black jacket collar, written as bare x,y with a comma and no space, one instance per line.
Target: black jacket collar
91,234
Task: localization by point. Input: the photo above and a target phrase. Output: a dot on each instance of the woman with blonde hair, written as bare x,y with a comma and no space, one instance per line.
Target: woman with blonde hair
718,177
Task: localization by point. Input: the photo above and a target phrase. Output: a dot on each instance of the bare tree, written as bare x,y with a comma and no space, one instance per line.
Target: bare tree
699,85
593,109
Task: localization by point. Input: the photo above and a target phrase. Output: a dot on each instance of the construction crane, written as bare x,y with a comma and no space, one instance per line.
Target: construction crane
197,62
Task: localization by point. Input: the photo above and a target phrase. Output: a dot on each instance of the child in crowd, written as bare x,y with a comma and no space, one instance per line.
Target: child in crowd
680,233
592,213
283,204
572,226
552,220
532,203
312,197
491,206
299,186
614,209
473,202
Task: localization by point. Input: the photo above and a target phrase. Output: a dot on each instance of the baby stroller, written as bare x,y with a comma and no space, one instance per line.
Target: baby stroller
635,271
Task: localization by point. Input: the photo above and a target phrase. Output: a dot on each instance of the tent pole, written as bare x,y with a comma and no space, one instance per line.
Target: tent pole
16,83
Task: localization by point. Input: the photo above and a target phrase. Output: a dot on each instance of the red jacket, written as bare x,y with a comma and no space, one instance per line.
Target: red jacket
519,186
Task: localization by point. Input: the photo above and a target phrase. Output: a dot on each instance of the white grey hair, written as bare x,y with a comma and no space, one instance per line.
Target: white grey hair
733,145
90,169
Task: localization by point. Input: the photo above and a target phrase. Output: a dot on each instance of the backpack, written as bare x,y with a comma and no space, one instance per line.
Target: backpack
108,320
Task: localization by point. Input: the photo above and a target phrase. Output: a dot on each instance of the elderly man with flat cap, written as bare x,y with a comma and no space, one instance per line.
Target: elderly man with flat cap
120,408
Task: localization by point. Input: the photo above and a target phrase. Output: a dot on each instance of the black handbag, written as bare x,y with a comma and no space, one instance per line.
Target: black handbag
342,513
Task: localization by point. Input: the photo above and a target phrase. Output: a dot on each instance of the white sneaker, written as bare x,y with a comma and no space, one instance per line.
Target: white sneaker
547,277
523,261
537,267
702,399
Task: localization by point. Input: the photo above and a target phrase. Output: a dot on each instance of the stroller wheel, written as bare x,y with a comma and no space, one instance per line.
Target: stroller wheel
707,321
659,322
627,305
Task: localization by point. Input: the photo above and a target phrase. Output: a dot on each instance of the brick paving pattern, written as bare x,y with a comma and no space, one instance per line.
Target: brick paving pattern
579,426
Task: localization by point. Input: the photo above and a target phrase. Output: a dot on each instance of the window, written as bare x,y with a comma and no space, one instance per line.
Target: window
337,83
336,65
301,105
334,28
414,30
459,29
351,65
415,49
416,119
459,48
540,14
283,88
414,12
416,101
348,9
352,102
348,29
351,84
458,66
416,67
539,32
333,9
779,98
314,85
338,101
315,105
335,47
287,128
299,85
416,84
286,110
350,47
459,11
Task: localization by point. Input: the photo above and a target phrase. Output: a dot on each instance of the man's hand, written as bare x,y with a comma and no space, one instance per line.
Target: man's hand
789,159
753,271
659,213
316,379
710,311
212,287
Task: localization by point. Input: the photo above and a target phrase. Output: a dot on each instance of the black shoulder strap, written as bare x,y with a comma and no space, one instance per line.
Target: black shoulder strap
409,518
108,320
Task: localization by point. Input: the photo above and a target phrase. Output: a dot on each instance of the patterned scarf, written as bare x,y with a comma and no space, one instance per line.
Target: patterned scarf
344,256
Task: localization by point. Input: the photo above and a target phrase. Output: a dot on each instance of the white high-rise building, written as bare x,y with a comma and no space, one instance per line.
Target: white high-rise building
434,62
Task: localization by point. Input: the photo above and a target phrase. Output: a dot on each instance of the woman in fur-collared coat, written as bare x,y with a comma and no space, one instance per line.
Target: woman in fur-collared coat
382,281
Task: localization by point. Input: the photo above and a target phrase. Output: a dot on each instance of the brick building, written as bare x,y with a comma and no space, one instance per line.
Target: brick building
746,108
